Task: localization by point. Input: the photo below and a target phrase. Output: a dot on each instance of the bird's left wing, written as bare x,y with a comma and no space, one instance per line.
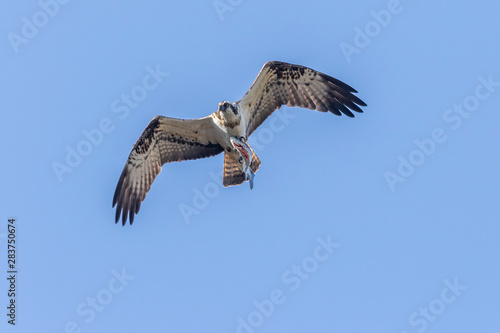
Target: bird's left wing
280,83
164,140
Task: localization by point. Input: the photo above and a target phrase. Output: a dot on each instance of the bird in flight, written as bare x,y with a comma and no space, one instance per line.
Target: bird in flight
227,130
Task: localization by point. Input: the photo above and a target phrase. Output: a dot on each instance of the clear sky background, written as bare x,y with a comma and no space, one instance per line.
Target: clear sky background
388,222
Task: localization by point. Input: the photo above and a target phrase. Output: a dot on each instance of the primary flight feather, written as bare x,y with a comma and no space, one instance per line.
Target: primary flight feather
227,130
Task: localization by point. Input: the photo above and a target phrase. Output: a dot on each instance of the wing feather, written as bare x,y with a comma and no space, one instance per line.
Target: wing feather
280,83
232,174
164,140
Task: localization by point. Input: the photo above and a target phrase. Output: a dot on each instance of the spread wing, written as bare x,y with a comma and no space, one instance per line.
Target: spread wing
164,140
280,83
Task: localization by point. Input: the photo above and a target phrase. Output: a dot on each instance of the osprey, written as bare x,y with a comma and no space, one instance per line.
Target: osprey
227,130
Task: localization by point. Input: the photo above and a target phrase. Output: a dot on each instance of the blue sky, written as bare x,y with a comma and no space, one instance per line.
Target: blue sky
387,222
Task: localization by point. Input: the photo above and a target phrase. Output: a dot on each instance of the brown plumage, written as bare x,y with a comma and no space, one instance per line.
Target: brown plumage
164,140
172,140
279,84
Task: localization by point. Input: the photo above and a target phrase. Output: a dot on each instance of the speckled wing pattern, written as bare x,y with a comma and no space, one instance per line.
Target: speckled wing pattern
280,83
164,140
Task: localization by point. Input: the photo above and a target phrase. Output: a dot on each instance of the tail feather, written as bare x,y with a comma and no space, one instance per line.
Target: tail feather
232,175
255,162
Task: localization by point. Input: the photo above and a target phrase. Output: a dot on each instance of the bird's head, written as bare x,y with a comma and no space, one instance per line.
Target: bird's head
226,106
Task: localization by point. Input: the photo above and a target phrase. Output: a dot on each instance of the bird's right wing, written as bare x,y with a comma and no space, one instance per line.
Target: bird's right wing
280,83
164,140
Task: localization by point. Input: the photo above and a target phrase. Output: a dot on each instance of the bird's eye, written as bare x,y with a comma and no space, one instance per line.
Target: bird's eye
240,160
242,138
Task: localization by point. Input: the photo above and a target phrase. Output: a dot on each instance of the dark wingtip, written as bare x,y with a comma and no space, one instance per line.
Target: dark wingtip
356,107
118,211
352,101
338,83
355,103
124,218
131,217
362,103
